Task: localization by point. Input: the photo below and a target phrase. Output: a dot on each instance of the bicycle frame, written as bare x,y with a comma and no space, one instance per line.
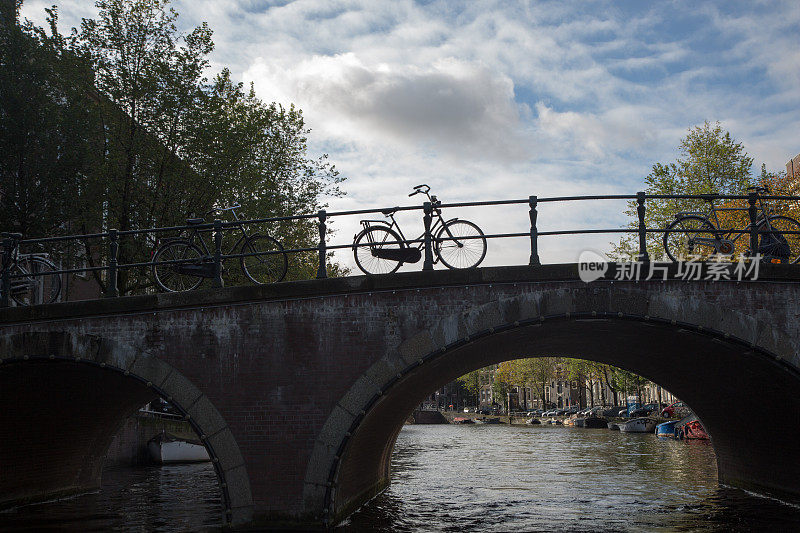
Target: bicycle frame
194,236
420,240
720,233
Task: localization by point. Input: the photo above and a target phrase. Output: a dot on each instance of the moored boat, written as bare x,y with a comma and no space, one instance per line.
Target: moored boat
165,448
533,421
595,422
694,430
462,420
638,425
579,422
667,429
613,426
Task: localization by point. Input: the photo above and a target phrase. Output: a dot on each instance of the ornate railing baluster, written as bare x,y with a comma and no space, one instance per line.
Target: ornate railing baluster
533,214
640,210
322,271
217,280
428,209
112,290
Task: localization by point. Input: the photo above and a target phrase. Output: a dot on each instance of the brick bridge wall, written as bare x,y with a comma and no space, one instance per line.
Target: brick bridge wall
299,389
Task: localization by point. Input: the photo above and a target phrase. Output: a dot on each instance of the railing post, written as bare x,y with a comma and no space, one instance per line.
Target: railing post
534,261
428,209
217,279
322,271
752,198
112,291
640,210
8,252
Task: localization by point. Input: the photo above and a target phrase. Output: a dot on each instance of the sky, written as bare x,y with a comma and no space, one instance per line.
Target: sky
499,100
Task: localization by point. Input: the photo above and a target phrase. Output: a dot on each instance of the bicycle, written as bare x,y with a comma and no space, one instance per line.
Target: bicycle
379,249
34,280
180,264
694,233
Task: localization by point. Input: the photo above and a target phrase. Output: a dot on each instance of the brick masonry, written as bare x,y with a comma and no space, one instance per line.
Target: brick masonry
301,388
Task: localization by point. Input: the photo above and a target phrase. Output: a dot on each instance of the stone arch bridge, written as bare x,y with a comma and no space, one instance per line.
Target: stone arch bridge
300,389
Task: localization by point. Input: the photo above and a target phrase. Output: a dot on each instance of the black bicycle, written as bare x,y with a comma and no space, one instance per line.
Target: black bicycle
181,264
379,249
34,279
700,234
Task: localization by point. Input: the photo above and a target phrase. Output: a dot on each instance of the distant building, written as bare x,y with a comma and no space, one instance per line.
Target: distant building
793,167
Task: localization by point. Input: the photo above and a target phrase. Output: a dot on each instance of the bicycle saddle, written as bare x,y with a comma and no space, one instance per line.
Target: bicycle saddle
390,211
192,221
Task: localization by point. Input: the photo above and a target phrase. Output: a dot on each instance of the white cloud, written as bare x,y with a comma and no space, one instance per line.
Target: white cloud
450,106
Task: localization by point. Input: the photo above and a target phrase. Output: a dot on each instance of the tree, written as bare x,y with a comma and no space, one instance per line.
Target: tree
711,162
506,376
178,145
538,371
581,371
45,127
472,383
159,142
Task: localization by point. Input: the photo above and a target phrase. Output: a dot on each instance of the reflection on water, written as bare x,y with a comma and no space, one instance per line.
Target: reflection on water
456,478
544,478
165,498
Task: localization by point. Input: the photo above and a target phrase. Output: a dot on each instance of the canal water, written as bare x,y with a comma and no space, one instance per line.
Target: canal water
473,478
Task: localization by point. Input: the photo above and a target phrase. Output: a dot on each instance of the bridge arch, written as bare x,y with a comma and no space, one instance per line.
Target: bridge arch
703,354
81,388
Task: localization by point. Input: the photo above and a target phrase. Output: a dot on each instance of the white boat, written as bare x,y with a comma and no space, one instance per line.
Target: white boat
165,448
638,425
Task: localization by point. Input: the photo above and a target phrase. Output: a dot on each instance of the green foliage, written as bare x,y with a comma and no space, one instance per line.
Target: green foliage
44,124
711,161
122,130
472,384
538,371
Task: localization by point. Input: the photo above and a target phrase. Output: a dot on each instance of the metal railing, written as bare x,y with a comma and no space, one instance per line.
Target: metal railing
111,267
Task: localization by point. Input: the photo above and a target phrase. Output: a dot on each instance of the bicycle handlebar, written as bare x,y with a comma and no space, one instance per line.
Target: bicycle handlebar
222,209
15,236
424,189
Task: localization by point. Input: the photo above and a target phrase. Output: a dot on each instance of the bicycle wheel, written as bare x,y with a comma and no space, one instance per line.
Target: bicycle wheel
460,244
168,276
38,284
784,225
262,269
682,238
368,242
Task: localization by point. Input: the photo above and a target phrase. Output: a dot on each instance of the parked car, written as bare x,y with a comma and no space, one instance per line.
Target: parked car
646,410
674,410
612,412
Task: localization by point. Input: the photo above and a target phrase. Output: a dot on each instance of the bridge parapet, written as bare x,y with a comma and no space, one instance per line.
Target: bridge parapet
206,259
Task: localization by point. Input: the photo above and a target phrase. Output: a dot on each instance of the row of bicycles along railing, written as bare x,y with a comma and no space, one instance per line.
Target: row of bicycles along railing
181,263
